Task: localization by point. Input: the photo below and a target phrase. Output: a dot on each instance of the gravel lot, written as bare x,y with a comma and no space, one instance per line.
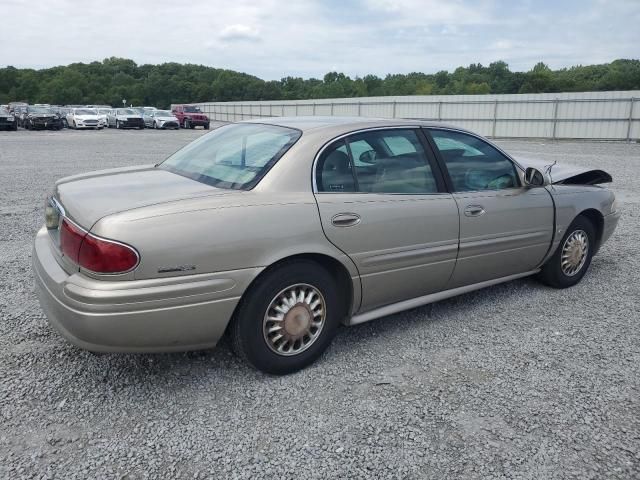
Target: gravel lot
515,381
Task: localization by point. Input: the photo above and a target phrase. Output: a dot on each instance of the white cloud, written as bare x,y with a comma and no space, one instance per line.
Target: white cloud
239,32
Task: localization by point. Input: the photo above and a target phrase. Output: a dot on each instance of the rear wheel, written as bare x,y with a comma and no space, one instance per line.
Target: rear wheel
206,126
571,260
288,318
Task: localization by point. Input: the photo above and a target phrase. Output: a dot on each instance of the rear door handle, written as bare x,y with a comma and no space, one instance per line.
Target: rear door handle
474,210
345,219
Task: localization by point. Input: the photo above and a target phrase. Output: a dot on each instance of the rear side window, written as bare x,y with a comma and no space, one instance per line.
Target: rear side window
474,164
234,156
379,161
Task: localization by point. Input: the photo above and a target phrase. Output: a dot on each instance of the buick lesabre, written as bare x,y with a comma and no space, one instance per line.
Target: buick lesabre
278,230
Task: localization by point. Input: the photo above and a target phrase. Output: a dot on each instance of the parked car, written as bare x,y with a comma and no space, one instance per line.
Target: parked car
19,111
41,118
160,119
190,116
103,114
63,112
7,120
84,118
125,118
280,229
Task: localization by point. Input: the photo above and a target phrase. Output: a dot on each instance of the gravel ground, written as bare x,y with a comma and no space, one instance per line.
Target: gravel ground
514,381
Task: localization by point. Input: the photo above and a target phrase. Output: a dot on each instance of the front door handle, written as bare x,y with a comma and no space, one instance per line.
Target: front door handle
345,219
474,210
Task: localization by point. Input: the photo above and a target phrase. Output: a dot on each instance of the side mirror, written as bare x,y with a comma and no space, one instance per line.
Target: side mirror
534,178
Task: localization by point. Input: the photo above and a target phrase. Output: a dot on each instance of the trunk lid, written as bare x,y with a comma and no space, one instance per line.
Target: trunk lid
88,197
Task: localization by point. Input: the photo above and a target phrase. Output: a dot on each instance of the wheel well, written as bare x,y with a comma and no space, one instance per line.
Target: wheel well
337,270
596,218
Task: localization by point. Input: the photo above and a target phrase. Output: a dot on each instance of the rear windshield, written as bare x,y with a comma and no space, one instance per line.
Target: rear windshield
234,156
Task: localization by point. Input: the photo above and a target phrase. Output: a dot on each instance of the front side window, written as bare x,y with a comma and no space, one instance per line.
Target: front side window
234,156
377,161
474,164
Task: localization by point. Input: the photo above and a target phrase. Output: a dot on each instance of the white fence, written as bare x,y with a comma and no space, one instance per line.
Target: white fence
589,115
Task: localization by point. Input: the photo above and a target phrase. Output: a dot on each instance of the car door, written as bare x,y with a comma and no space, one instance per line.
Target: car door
382,201
505,227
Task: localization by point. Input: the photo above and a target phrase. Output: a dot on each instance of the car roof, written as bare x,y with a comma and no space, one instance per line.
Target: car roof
347,124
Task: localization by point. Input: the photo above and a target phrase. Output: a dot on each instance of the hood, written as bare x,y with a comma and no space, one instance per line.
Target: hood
567,174
89,197
128,116
167,118
86,117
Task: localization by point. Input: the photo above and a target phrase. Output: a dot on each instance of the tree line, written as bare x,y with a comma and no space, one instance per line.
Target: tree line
114,79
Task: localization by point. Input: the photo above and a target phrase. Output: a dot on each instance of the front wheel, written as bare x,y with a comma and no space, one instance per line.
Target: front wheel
187,123
288,318
206,126
571,260
117,125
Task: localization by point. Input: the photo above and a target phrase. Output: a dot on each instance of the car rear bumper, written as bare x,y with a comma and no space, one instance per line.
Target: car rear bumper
159,315
197,123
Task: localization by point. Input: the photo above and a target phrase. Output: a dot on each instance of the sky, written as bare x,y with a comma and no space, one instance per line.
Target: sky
274,38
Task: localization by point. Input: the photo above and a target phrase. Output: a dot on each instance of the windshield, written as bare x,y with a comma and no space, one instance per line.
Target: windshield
234,156
40,110
85,111
162,113
4,111
190,109
103,111
127,111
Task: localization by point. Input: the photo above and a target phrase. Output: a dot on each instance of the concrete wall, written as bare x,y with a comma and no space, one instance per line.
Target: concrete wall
592,115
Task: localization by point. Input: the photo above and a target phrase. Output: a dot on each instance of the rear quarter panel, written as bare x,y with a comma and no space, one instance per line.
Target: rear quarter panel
221,234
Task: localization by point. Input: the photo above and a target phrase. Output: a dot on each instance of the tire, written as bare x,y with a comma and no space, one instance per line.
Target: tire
206,126
187,123
249,324
15,127
552,272
117,125
155,125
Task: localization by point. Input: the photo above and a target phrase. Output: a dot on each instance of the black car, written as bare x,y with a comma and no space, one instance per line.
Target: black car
7,120
40,118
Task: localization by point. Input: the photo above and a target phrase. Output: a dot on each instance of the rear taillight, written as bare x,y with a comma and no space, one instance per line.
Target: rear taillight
106,256
94,253
71,237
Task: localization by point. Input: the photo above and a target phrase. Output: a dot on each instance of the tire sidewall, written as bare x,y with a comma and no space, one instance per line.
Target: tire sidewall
250,316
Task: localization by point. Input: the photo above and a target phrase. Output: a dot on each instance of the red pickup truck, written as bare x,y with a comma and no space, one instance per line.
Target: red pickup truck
190,116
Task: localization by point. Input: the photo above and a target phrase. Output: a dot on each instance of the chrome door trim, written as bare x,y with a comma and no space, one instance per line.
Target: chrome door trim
431,298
